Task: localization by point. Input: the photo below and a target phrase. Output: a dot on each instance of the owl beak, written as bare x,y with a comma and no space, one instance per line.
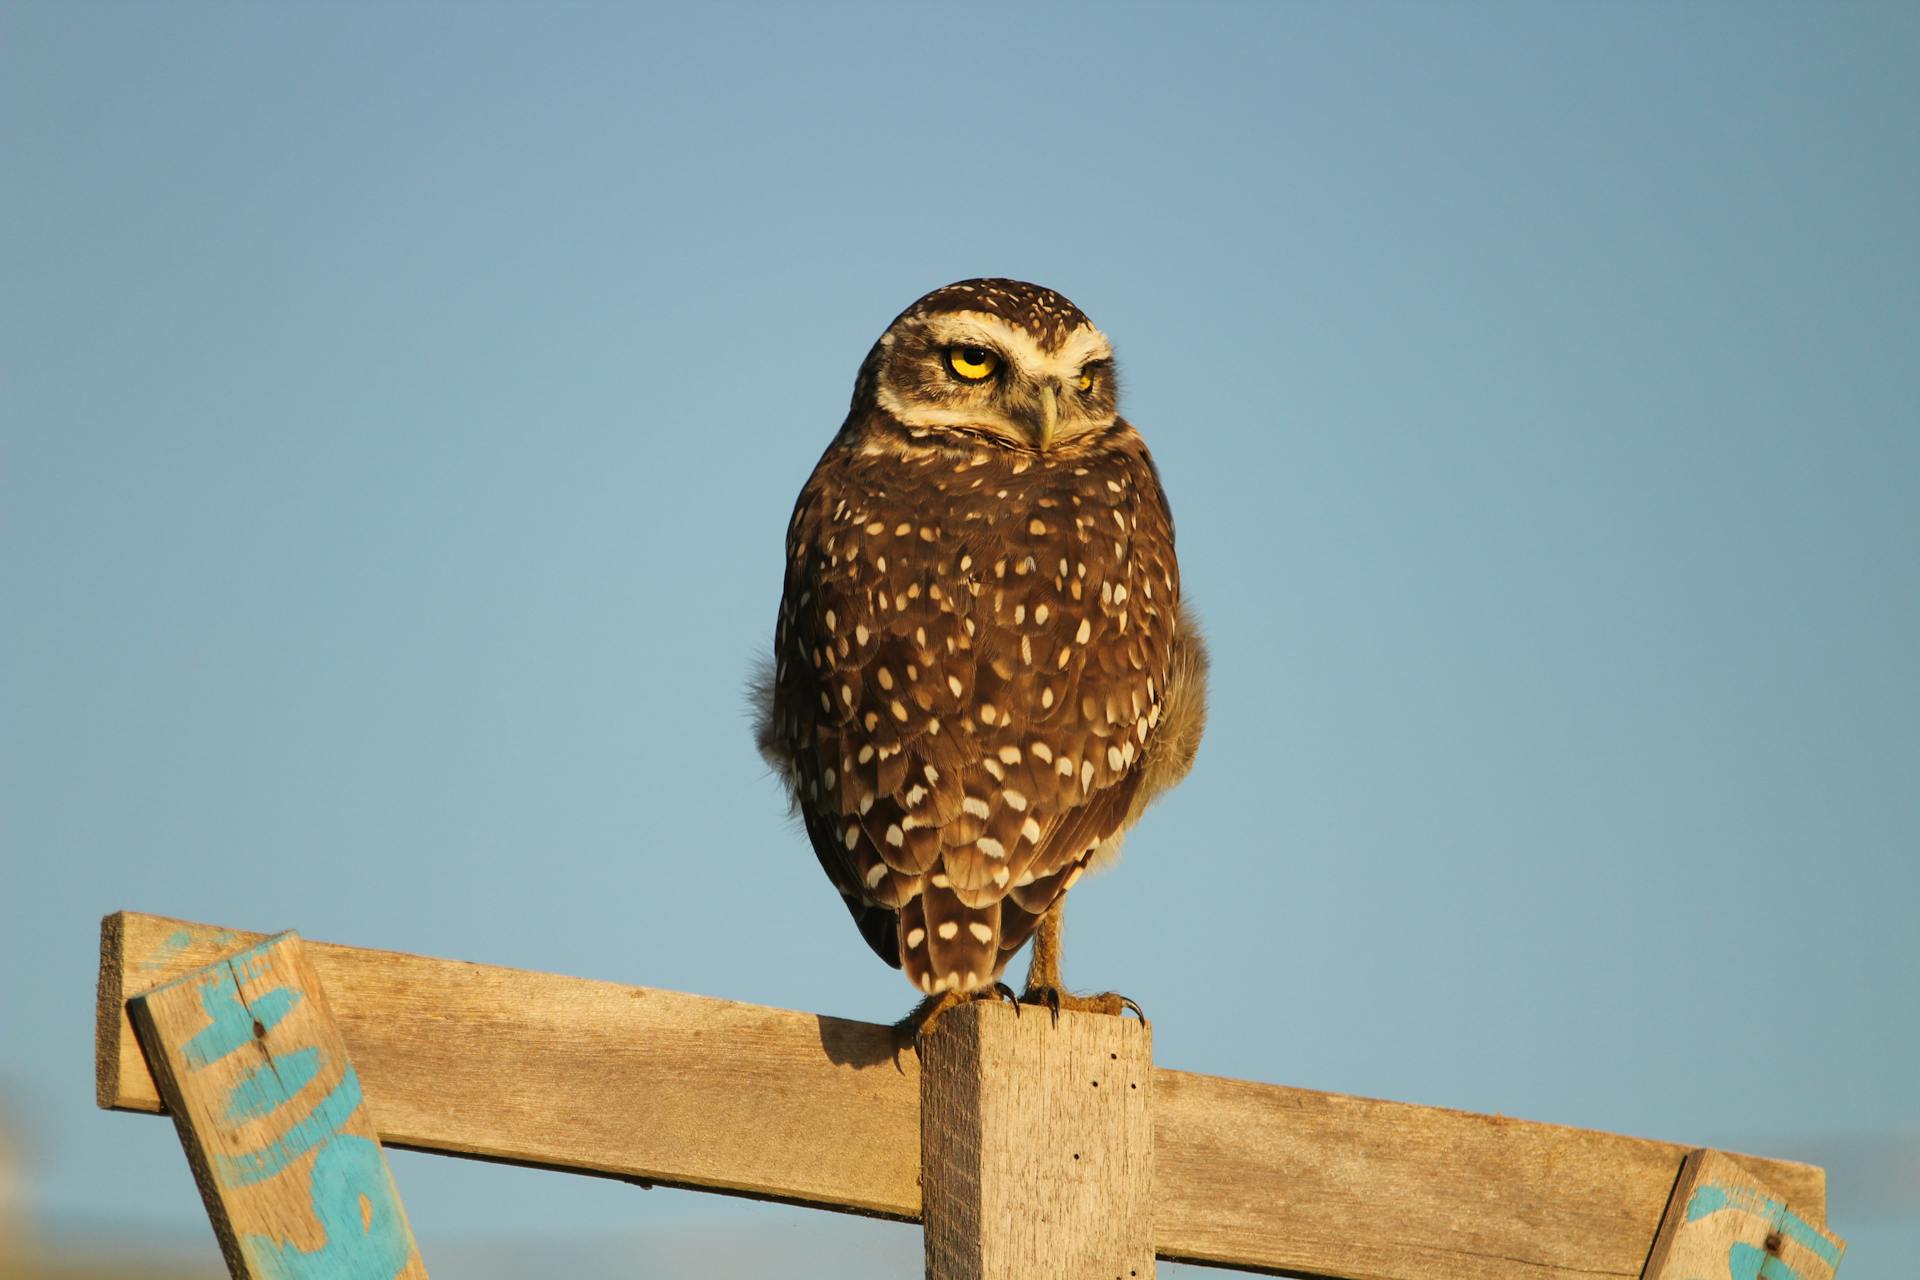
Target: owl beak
1049,415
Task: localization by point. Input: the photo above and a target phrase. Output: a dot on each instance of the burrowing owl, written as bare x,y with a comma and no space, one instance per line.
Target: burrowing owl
983,667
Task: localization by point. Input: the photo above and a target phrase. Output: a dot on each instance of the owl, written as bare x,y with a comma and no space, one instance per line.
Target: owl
983,667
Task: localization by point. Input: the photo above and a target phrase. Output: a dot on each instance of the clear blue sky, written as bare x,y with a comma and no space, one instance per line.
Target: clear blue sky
401,407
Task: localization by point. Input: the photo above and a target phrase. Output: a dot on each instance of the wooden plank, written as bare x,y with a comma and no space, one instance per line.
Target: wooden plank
592,1077
1356,1187
272,1117
583,1076
1036,1142
1725,1224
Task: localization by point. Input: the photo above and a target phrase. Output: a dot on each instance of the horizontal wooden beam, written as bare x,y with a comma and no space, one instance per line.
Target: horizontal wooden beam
577,1075
655,1086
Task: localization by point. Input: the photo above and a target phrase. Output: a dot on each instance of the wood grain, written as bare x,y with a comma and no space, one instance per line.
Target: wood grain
584,1076
1036,1142
273,1120
592,1077
1725,1224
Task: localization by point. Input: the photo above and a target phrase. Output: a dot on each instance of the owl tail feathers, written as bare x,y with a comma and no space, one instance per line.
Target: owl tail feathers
946,945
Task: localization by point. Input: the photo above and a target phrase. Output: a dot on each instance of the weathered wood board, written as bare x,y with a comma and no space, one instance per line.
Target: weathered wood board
1037,1144
1725,1224
594,1077
273,1121
578,1075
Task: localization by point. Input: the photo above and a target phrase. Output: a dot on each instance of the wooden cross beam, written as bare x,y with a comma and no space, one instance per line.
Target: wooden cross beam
655,1086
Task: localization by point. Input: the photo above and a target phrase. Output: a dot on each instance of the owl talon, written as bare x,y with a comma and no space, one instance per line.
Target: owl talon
1048,996
1110,1003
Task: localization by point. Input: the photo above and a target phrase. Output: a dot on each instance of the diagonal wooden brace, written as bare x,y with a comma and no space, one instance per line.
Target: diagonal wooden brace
1723,1223
269,1108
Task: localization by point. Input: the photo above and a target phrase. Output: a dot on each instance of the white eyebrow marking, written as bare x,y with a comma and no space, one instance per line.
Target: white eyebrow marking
1021,349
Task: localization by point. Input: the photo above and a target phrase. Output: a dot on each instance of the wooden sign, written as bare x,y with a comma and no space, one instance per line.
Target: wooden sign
248,1059
1724,1224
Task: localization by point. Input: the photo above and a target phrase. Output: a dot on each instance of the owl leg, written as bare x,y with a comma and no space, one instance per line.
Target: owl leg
1043,978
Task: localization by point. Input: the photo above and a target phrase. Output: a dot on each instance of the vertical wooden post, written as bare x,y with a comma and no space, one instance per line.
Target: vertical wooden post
248,1059
1723,1223
1036,1145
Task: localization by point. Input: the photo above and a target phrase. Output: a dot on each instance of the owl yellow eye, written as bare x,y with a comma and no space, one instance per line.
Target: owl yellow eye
1084,381
972,363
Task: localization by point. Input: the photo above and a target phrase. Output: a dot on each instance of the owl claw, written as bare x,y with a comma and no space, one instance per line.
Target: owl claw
1108,1002
1049,996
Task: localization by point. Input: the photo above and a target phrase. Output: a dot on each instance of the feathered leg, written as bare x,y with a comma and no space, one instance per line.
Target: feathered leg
1043,978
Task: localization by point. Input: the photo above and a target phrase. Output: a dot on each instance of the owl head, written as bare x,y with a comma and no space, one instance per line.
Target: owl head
1005,361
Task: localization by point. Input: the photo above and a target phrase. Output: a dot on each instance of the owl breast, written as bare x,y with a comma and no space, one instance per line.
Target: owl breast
972,659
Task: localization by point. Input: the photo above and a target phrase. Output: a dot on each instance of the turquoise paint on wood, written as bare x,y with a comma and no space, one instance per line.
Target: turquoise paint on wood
230,1023
169,948
1744,1262
163,955
349,1186
354,1201
272,1085
1715,1197
316,1129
